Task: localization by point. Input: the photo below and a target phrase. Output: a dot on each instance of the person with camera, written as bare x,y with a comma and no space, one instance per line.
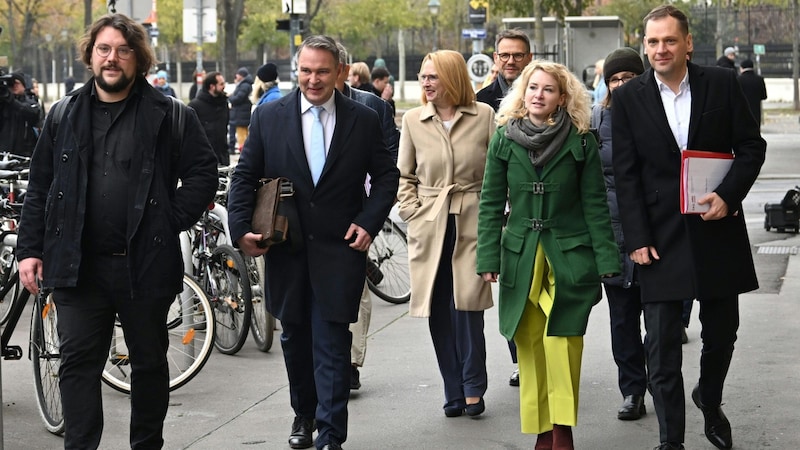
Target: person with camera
21,113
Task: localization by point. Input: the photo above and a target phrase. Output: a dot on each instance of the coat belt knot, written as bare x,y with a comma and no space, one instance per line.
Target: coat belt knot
453,192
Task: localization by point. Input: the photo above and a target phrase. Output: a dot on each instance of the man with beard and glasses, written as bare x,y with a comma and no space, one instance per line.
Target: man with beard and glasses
100,226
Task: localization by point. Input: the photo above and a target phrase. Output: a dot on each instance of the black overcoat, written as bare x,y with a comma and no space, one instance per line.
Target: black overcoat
213,113
316,258
698,259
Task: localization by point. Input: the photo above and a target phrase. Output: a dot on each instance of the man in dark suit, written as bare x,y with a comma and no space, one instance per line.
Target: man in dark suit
315,279
753,87
673,106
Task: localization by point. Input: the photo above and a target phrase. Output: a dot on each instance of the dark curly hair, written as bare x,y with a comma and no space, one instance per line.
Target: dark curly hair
135,35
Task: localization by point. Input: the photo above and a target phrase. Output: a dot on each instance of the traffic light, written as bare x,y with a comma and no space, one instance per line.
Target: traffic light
286,25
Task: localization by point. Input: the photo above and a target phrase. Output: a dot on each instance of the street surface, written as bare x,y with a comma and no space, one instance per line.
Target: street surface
242,401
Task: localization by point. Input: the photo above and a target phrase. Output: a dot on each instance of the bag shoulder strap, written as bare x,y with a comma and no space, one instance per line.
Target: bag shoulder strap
58,111
178,119
61,108
178,127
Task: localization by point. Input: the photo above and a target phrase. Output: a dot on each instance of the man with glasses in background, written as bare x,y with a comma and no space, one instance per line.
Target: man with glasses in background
512,54
100,227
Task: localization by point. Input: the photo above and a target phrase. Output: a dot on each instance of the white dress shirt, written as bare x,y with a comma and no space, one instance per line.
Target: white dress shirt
678,108
327,117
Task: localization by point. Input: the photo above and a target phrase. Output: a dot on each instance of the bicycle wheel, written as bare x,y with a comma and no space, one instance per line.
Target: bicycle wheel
262,323
8,266
387,266
231,299
190,330
46,358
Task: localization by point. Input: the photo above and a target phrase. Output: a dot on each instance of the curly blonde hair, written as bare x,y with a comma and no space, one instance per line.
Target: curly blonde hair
576,103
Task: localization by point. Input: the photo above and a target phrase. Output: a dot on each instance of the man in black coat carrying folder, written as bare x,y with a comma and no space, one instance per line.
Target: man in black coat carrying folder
674,106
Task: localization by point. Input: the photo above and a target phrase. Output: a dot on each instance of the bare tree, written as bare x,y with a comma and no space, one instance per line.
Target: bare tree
230,13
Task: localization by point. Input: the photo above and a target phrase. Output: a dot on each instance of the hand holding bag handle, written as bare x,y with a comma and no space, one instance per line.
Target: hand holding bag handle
270,218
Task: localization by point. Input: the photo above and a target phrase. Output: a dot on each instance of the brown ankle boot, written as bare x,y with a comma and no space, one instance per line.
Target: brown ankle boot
562,438
544,441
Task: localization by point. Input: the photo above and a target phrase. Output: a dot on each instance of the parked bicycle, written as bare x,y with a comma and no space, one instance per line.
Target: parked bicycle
221,272
387,266
190,330
43,344
13,182
262,323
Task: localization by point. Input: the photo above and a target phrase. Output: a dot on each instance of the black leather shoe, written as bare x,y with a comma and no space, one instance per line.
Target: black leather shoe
717,427
669,446
332,446
453,411
513,380
632,408
302,430
476,409
355,378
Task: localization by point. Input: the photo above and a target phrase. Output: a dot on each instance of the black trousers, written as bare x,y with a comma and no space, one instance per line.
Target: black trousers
457,336
625,312
719,319
86,316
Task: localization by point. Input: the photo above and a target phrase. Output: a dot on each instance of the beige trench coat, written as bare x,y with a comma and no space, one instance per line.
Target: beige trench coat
440,174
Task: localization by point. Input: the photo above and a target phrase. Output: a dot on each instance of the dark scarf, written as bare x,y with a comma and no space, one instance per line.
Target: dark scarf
542,142
504,87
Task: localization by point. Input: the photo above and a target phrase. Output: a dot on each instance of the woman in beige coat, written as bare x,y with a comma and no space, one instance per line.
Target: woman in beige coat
442,156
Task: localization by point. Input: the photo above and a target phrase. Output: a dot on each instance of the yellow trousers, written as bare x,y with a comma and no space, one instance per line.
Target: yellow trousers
549,366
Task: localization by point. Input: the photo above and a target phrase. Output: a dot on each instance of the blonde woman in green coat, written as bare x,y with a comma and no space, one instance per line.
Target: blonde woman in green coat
557,244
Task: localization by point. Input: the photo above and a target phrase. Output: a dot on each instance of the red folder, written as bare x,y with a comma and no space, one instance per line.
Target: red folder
701,173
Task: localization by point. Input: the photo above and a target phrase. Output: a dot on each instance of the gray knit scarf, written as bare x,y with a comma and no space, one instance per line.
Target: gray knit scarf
542,142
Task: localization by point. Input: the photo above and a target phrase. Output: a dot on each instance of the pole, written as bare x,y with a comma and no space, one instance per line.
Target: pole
401,63
435,34
199,66
294,35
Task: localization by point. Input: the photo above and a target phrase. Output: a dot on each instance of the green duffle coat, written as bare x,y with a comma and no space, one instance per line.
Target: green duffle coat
564,209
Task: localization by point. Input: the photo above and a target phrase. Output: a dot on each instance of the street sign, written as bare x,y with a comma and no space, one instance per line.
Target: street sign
294,7
477,11
473,33
190,34
759,49
479,67
138,10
